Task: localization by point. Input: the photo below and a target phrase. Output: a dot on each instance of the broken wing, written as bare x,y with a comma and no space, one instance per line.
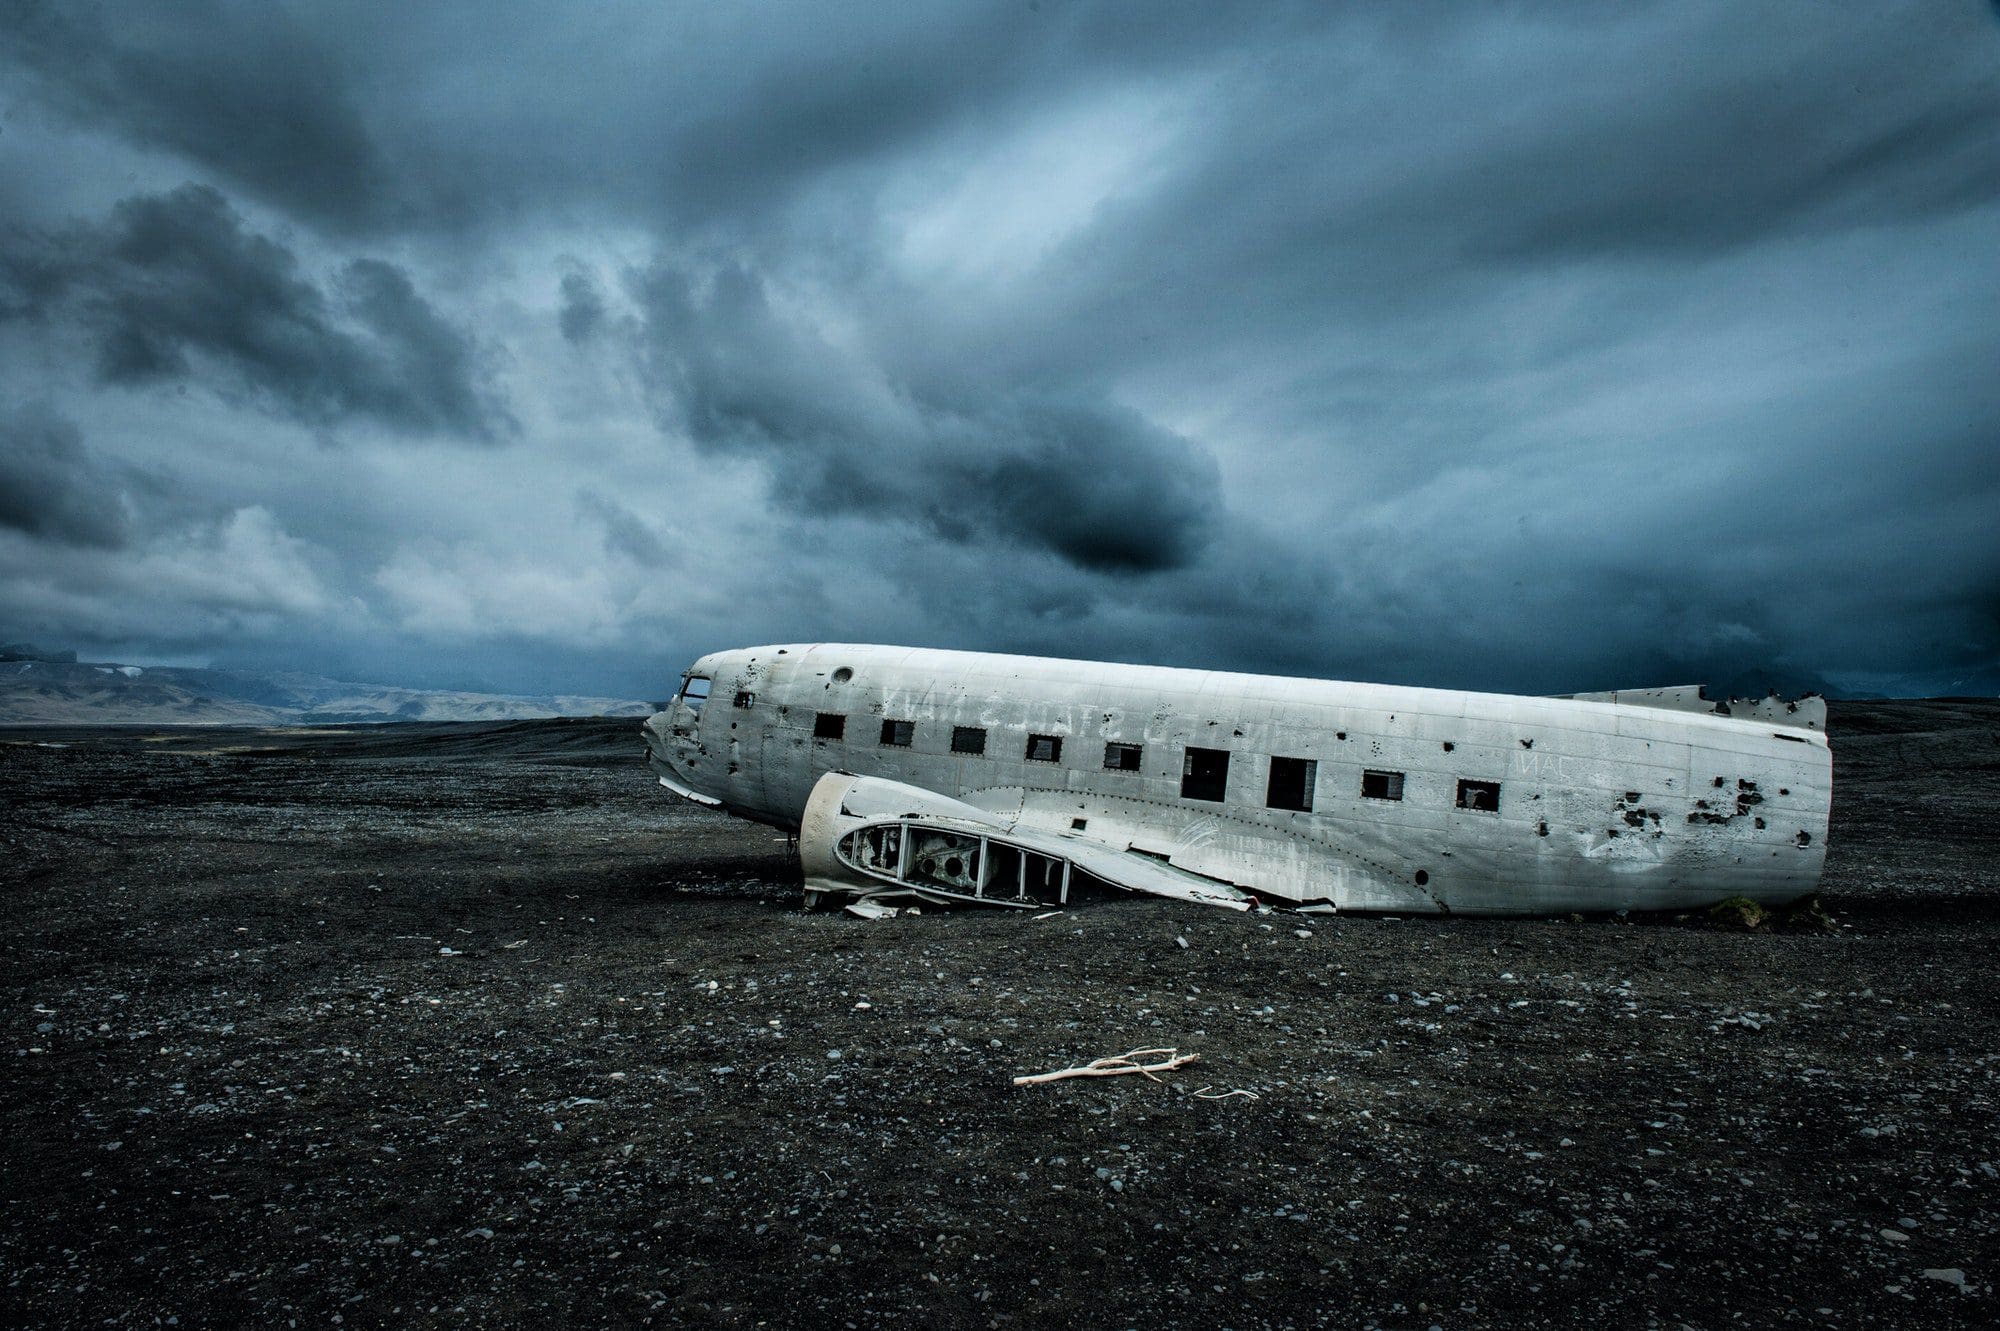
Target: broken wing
865,836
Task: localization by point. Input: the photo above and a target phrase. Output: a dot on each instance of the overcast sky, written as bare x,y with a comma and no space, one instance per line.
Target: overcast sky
545,347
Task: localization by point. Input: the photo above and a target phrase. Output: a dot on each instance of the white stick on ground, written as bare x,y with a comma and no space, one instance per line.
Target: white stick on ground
1203,1094
1117,1066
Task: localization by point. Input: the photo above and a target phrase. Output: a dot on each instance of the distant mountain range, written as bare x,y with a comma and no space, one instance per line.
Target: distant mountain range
43,688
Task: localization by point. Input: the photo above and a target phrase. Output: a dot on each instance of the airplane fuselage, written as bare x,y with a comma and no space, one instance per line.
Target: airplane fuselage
1361,796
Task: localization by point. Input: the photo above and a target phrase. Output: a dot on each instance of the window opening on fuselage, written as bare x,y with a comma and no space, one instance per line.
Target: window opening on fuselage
1121,757
694,692
1044,749
968,739
1382,785
1292,782
898,734
829,725
1204,774
1481,795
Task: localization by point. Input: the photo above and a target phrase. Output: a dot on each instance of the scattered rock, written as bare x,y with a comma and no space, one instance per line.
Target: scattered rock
253,1087
1808,914
1736,913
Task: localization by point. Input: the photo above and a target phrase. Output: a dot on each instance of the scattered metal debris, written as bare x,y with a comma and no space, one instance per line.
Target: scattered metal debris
1116,1066
870,909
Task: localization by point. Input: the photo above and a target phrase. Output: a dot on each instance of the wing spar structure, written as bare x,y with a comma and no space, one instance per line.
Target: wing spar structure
868,839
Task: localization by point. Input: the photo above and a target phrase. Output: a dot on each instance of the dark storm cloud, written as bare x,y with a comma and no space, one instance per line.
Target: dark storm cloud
52,488
176,287
1539,346
692,113
240,88
625,532
582,313
423,372
1835,148
970,461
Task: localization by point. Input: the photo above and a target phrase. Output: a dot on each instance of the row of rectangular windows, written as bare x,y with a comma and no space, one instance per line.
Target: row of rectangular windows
1204,772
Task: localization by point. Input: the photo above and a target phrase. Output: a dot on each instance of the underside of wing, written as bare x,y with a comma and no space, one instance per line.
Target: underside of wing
865,838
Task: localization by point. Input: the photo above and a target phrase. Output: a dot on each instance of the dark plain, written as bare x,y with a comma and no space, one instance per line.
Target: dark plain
474,1025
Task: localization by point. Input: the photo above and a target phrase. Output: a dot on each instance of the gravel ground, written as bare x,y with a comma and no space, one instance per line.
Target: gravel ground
470,1025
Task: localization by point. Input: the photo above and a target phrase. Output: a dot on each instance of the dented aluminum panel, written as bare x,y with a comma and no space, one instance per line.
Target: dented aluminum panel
1310,792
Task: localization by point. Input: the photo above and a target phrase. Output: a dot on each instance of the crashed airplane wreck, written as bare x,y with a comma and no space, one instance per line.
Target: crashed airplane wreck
1024,782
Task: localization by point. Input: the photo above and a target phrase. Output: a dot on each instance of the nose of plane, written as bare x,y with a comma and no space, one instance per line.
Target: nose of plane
672,733
657,735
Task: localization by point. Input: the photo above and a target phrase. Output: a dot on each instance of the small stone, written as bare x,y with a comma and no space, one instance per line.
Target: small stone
1302,933
1178,942
1895,1236
1950,1275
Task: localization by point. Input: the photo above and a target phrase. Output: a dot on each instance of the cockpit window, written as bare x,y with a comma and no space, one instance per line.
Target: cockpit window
694,692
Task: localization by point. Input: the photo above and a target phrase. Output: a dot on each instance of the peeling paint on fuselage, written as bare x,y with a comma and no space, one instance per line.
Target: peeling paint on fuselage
1573,773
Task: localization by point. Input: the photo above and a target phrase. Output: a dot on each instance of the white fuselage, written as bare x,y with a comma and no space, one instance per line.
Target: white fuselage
1363,796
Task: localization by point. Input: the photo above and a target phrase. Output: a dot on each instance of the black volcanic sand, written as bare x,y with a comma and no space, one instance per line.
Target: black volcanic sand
473,1025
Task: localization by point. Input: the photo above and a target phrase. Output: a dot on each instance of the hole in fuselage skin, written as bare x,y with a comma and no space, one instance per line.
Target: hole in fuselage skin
842,675
1423,876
